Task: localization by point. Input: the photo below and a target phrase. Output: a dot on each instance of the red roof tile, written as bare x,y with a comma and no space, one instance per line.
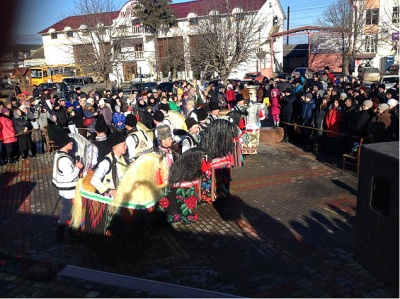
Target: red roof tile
200,7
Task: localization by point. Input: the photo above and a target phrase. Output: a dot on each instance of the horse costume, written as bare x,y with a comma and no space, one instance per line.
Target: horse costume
107,222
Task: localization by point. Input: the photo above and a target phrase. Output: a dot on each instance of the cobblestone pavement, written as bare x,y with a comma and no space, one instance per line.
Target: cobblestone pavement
285,231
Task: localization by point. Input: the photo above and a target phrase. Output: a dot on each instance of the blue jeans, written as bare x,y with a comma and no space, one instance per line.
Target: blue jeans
39,147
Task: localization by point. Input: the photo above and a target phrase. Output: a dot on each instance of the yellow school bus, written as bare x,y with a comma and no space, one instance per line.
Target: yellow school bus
39,74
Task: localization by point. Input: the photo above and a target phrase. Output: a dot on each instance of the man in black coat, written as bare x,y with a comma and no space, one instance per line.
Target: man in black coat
286,112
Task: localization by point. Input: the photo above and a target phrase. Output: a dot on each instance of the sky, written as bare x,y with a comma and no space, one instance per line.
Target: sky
36,15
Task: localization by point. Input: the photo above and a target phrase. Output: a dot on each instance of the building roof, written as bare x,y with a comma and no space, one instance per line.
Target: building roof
181,11
38,54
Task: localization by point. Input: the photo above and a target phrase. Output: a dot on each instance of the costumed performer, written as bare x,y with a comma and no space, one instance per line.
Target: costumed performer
65,177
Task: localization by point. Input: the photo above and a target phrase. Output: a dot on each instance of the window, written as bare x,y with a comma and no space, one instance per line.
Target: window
53,35
239,16
395,15
193,21
372,16
370,43
70,34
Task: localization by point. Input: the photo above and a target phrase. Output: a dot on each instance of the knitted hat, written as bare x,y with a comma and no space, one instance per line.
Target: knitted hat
383,107
190,122
201,113
115,138
101,125
22,107
158,115
213,106
163,132
62,139
163,106
392,102
131,120
101,102
4,110
117,108
309,95
343,95
90,100
367,103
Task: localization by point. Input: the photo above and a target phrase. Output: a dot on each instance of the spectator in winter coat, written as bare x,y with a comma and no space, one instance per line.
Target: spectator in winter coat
230,96
333,120
307,111
286,112
319,122
118,118
275,106
7,134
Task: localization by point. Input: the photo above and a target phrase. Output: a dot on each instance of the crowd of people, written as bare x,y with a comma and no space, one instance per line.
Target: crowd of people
331,114
323,113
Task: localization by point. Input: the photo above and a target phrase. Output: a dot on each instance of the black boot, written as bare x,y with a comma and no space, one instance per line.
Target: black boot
60,232
10,161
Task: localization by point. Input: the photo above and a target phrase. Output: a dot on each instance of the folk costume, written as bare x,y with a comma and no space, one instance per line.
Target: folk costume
65,178
137,140
111,169
181,194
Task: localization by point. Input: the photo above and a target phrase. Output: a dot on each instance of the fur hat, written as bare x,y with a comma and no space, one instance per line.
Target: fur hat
163,132
190,122
213,106
101,125
367,103
62,139
383,107
158,115
131,120
163,106
115,138
392,102
201,113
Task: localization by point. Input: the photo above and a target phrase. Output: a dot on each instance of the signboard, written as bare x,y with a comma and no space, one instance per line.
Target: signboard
325,44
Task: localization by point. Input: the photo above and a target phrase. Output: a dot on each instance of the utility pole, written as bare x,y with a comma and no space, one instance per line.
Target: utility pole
287,24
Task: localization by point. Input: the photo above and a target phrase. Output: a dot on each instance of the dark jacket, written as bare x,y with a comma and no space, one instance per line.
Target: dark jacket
287,105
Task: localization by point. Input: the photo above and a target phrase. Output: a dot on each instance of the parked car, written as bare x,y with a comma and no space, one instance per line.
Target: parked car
6,89
165,86
304,72
255,77
370,74
138,87
52,87
86,83
393,70
389,81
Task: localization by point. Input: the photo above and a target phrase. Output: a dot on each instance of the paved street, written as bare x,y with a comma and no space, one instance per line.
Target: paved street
286,231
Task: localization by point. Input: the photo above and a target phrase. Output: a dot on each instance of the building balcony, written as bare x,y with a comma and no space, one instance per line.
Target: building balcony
131,56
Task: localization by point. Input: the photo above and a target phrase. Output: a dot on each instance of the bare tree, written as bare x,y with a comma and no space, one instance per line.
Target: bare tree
155,15
347,18
97,44
223,37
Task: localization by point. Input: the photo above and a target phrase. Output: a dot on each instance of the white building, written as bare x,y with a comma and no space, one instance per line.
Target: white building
64,42
379,46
